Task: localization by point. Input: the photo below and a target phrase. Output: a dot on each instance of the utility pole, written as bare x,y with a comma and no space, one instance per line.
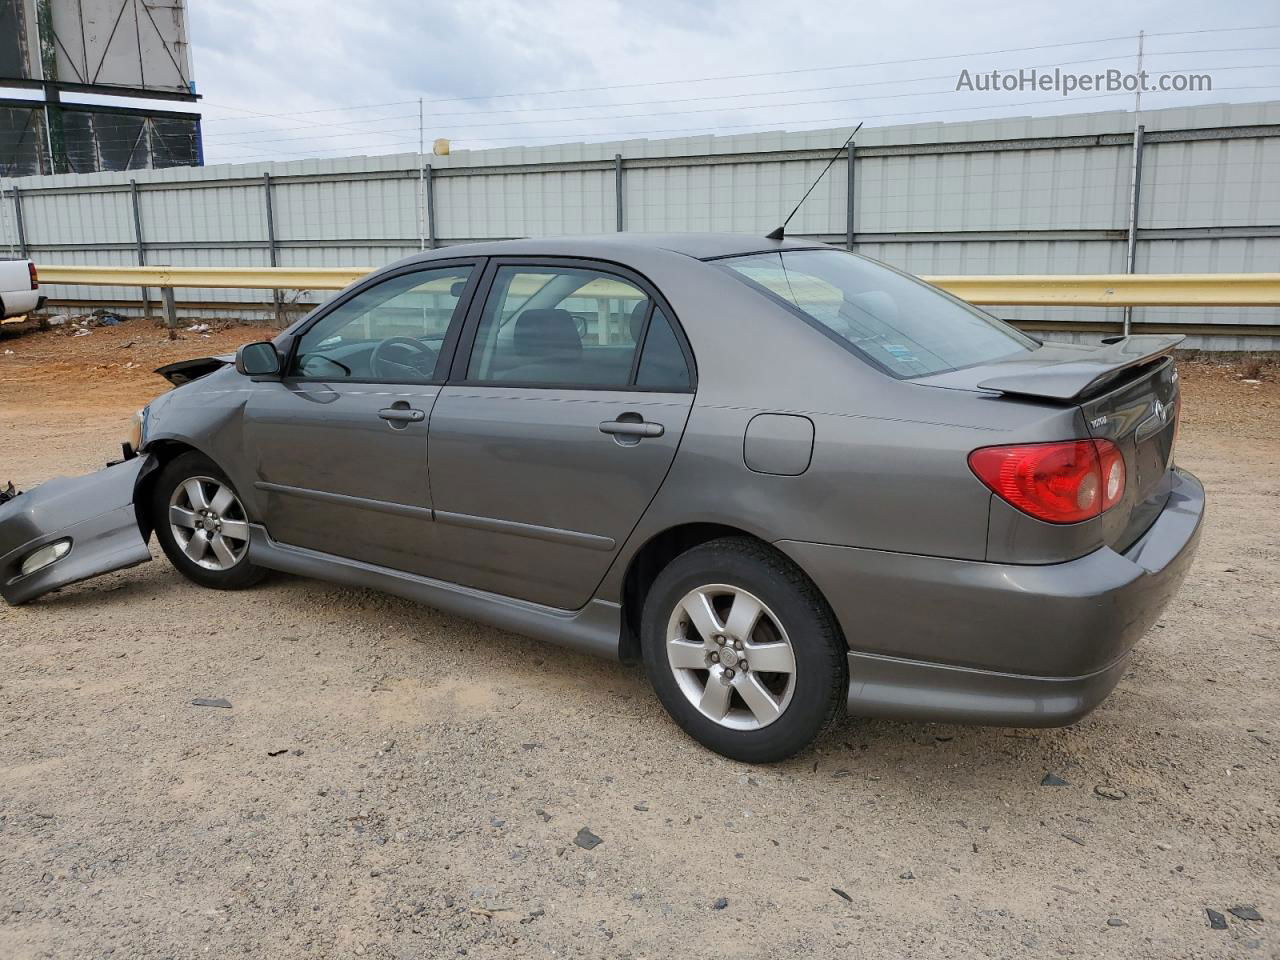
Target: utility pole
422,192
1137,93
1135,183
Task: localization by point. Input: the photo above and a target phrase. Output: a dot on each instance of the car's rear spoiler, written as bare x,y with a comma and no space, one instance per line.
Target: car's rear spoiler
184,371
1075,376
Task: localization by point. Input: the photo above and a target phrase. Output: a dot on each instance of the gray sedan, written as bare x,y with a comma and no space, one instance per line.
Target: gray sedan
792,481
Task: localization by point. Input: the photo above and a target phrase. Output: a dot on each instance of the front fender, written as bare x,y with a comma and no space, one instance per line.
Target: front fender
95,514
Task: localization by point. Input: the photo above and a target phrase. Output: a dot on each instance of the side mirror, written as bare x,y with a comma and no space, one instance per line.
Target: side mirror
258,360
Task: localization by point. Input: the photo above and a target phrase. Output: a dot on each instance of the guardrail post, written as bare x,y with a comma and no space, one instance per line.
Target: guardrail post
142,249
429,188
849,208
617,186
17,214
1131,248
170,311
271,245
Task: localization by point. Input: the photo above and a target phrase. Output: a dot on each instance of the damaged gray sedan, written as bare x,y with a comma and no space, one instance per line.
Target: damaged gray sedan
790,480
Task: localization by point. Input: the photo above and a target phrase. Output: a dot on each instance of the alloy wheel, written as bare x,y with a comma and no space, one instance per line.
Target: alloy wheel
209,523
731,657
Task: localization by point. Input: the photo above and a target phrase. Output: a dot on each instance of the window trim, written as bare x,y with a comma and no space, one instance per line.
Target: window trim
448,346
466,342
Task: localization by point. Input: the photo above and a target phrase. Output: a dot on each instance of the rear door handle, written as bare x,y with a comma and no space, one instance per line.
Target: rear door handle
402,415
632,428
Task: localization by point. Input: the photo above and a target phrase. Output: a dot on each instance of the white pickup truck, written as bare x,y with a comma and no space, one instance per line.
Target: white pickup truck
19,288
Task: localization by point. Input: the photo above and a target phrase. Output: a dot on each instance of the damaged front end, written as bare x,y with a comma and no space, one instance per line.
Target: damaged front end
70,529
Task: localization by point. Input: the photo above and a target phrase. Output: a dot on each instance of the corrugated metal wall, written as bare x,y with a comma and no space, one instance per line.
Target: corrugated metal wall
1011,196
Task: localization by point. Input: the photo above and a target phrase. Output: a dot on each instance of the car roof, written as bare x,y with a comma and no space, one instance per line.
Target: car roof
701,246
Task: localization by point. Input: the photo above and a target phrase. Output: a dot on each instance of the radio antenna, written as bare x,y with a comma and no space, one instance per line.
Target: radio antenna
781,232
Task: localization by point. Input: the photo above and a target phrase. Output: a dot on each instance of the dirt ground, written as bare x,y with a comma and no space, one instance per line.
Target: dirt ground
393,782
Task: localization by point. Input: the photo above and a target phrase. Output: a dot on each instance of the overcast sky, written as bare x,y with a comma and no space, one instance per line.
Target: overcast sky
299,60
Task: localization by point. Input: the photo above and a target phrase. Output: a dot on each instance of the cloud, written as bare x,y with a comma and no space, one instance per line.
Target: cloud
296,58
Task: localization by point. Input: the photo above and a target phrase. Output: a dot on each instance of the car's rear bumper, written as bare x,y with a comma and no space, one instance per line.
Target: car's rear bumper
964,641
16,303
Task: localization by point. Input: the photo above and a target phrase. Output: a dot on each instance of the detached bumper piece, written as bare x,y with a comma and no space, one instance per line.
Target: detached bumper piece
68,530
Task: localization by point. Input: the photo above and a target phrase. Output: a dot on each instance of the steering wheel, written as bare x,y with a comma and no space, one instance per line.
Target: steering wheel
384,368
580,322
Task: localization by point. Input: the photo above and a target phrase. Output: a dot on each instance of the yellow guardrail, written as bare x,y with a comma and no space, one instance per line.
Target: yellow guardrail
1119,290
247,278
1049,290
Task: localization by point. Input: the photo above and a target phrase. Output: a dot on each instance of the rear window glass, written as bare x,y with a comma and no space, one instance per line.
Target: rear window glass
902,324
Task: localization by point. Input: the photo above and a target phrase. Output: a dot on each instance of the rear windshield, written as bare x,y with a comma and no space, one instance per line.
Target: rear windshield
902,324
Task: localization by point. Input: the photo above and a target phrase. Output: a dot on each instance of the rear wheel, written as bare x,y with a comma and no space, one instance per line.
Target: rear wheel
743,651
201,524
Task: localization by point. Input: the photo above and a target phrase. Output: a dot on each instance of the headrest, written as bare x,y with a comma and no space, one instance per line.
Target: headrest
547,333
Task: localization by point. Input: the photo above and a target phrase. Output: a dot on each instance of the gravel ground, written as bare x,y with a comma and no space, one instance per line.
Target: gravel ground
392,782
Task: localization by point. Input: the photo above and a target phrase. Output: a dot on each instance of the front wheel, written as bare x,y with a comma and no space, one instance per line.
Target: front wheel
201,524
743,651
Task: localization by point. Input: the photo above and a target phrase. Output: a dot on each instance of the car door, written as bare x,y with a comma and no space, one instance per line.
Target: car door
339,444
567,402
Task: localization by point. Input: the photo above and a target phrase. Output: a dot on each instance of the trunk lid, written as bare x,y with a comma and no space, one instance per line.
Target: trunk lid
1127,390
1140,416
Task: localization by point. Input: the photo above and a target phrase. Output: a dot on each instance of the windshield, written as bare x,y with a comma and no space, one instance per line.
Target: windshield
902,324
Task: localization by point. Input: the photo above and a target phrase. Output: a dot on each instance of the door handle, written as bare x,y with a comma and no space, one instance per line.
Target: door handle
632,428
402,415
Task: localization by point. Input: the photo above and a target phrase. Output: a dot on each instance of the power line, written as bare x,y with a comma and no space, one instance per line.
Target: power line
845,66
748,76
834,121
845,120
345,125
324,136
673,113
796,103
839,86
300,113
604,106
252,142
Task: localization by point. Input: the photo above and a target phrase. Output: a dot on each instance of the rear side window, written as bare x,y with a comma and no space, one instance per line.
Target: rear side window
904,325
662,362
573,327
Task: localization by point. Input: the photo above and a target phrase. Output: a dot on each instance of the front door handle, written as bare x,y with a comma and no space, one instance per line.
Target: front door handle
402,415
632,428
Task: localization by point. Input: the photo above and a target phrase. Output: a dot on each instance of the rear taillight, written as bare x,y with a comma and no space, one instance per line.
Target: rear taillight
1061,482
35,278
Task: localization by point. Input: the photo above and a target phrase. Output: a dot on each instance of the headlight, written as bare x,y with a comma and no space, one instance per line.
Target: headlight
134,441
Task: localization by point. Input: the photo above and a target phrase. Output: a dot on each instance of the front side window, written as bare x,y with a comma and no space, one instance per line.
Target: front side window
392,331
902,324
563,326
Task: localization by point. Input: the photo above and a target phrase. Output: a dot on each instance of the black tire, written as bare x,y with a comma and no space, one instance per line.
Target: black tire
174,474
821,668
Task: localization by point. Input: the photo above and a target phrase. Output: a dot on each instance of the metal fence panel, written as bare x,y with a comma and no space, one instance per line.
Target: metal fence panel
1020,195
